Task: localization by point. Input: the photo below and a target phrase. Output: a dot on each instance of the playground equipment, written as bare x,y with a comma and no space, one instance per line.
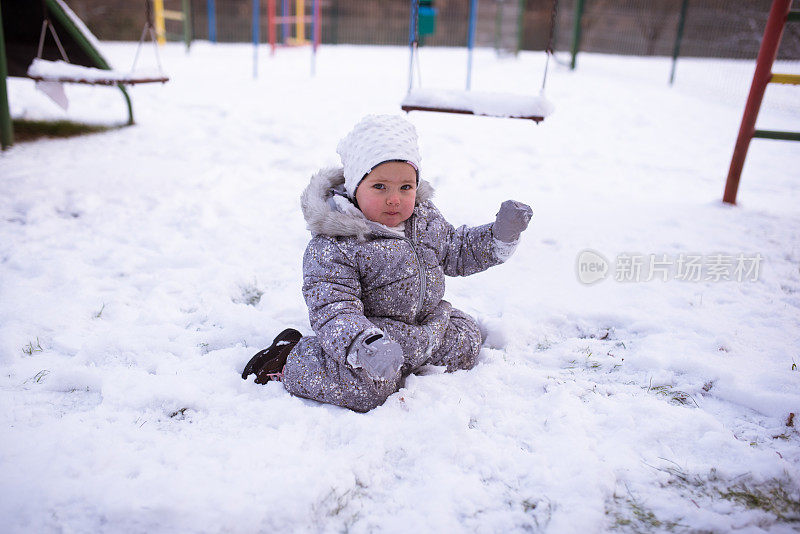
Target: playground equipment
780,13
577,35
468,102
299,20
63,71
22,54
6,127
183,16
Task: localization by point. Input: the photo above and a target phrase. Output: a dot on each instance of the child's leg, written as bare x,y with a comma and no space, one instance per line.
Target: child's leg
419,342
461,344
310,373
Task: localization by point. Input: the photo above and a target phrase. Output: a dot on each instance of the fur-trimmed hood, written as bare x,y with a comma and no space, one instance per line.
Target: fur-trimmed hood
328,212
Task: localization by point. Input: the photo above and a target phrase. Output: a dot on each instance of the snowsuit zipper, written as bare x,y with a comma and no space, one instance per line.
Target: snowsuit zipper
422,284
422,281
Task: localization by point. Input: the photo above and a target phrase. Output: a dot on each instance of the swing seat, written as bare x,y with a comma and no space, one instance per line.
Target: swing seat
477,103
43,70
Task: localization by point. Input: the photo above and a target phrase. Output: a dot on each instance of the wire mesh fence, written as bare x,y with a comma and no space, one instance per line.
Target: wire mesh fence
713,28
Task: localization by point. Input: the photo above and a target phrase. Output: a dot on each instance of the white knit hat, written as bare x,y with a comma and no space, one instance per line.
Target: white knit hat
374,140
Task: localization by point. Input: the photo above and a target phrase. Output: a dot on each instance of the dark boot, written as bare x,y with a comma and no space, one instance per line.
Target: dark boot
268,364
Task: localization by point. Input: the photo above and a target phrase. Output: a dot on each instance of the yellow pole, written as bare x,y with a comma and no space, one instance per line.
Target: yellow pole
300,21
792,79
161,30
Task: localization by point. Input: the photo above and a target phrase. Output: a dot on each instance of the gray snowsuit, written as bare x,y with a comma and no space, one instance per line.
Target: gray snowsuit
360,277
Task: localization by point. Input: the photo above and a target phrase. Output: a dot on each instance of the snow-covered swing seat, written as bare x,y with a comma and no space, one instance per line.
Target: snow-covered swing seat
507,105
62,71
43,70
468,102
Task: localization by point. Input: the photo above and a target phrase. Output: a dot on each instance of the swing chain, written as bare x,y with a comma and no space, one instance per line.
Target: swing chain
148,30
549,51
414,47
47,23
553,18
148,13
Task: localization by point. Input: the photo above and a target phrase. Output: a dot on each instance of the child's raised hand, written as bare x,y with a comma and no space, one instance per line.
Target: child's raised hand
380,357
512,220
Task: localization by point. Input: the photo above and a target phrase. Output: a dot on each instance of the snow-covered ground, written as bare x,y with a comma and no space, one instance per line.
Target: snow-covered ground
141,268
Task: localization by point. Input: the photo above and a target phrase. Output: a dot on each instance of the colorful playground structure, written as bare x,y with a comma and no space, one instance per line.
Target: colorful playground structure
182,15
297,20
780,13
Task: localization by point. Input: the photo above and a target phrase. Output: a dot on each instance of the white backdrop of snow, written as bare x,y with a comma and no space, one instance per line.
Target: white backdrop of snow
131,265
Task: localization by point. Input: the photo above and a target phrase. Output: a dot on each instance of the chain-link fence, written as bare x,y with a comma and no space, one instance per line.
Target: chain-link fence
713,28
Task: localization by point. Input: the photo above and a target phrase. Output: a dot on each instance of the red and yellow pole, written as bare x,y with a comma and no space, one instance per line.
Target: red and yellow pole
300,22
158,16
271,22
778,15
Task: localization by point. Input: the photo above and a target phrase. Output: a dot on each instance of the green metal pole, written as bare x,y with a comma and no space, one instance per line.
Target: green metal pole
6,127
54,9
576,32
187,23
127,98
678,38
774,134
520,25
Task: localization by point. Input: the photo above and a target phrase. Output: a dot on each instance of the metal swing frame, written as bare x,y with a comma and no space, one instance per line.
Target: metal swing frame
89,75
414,58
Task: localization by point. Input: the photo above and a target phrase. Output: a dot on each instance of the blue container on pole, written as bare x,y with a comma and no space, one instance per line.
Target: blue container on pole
427,17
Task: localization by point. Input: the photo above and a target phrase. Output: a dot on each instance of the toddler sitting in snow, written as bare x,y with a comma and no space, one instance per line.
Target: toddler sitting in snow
373,275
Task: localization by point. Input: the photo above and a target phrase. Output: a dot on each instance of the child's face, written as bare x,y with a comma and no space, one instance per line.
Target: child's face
387,194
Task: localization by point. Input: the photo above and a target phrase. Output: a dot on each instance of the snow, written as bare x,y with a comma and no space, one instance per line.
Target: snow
61,71
141,268
480,103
